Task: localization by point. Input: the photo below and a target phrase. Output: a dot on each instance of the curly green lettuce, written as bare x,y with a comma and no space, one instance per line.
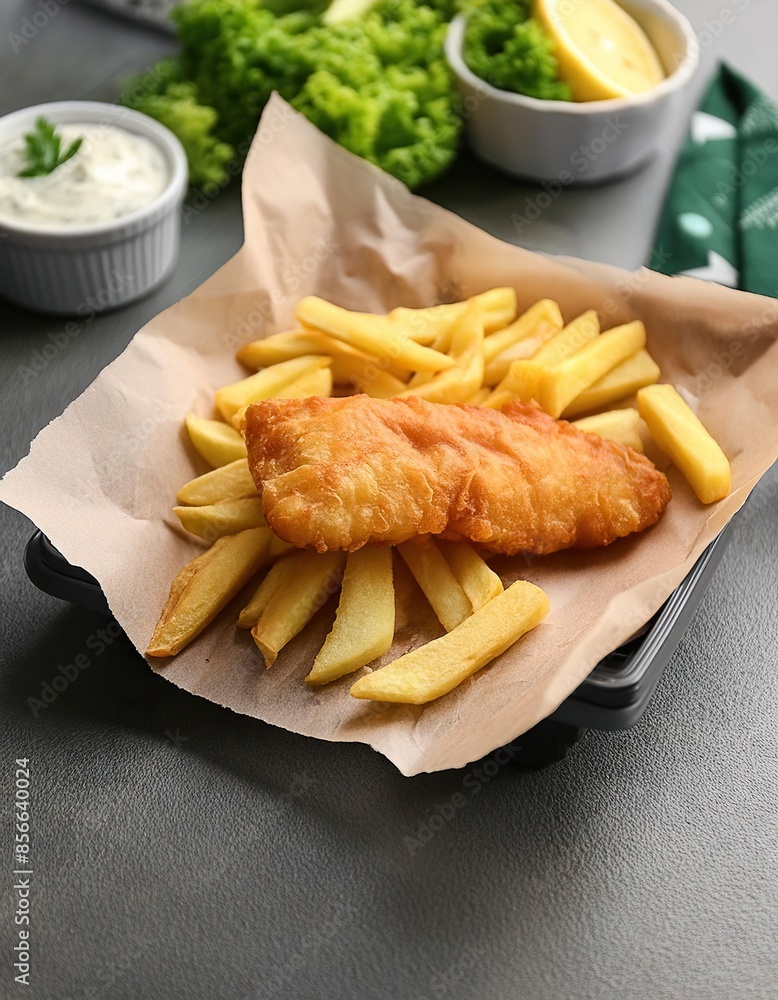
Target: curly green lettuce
379,84
383,90
163,95
505,46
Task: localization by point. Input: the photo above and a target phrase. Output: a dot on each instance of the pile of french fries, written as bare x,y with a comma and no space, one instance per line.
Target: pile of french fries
477,351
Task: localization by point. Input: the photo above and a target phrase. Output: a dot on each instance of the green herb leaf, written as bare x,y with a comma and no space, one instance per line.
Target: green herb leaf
72,149
43,150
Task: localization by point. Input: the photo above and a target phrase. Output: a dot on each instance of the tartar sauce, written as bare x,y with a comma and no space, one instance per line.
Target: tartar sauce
114,173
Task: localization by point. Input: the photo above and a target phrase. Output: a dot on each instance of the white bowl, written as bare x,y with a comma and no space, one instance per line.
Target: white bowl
87,269
567,142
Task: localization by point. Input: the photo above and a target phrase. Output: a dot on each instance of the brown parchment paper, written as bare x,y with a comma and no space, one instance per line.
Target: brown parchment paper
101,479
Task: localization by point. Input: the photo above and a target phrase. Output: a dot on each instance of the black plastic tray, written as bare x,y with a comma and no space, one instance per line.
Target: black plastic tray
614,695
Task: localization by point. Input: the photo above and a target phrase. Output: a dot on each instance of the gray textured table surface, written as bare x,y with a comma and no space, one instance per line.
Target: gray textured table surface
184,852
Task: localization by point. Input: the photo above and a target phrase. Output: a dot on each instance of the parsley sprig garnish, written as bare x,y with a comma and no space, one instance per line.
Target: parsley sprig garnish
43,150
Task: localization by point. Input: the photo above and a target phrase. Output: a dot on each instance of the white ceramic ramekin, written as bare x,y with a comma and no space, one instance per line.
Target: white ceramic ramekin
564,142
92,268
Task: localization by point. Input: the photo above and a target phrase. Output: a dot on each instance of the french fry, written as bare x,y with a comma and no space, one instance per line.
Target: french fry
226,517
572,338
372,334
568,379
497,307
279,547
616,425
228,482
444,341
437,580
283,346
293,605
433,670
635,373
217,442
180,580
497,398
680,434
381,385
277,576
419,379
479,583
478,397
347,361
410,605
467,348
265,384
423,326
524,381
495,371
543,320
315,383
208,585
441,343
364,625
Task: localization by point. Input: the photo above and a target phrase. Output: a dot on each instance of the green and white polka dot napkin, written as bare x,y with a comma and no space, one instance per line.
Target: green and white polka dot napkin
720,219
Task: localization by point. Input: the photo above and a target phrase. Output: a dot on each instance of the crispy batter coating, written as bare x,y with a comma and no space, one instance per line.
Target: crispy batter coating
341,473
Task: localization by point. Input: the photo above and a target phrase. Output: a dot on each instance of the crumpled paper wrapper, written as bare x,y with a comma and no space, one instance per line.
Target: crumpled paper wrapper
100,481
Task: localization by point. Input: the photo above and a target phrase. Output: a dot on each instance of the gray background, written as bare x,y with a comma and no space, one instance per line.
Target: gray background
182,851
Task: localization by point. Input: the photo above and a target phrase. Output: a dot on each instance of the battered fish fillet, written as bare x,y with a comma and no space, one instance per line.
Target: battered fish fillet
340,473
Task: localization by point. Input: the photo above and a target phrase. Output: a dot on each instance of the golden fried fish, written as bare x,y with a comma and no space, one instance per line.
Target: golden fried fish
342,473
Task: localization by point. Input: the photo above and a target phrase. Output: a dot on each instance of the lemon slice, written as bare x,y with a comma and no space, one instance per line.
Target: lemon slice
602,52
